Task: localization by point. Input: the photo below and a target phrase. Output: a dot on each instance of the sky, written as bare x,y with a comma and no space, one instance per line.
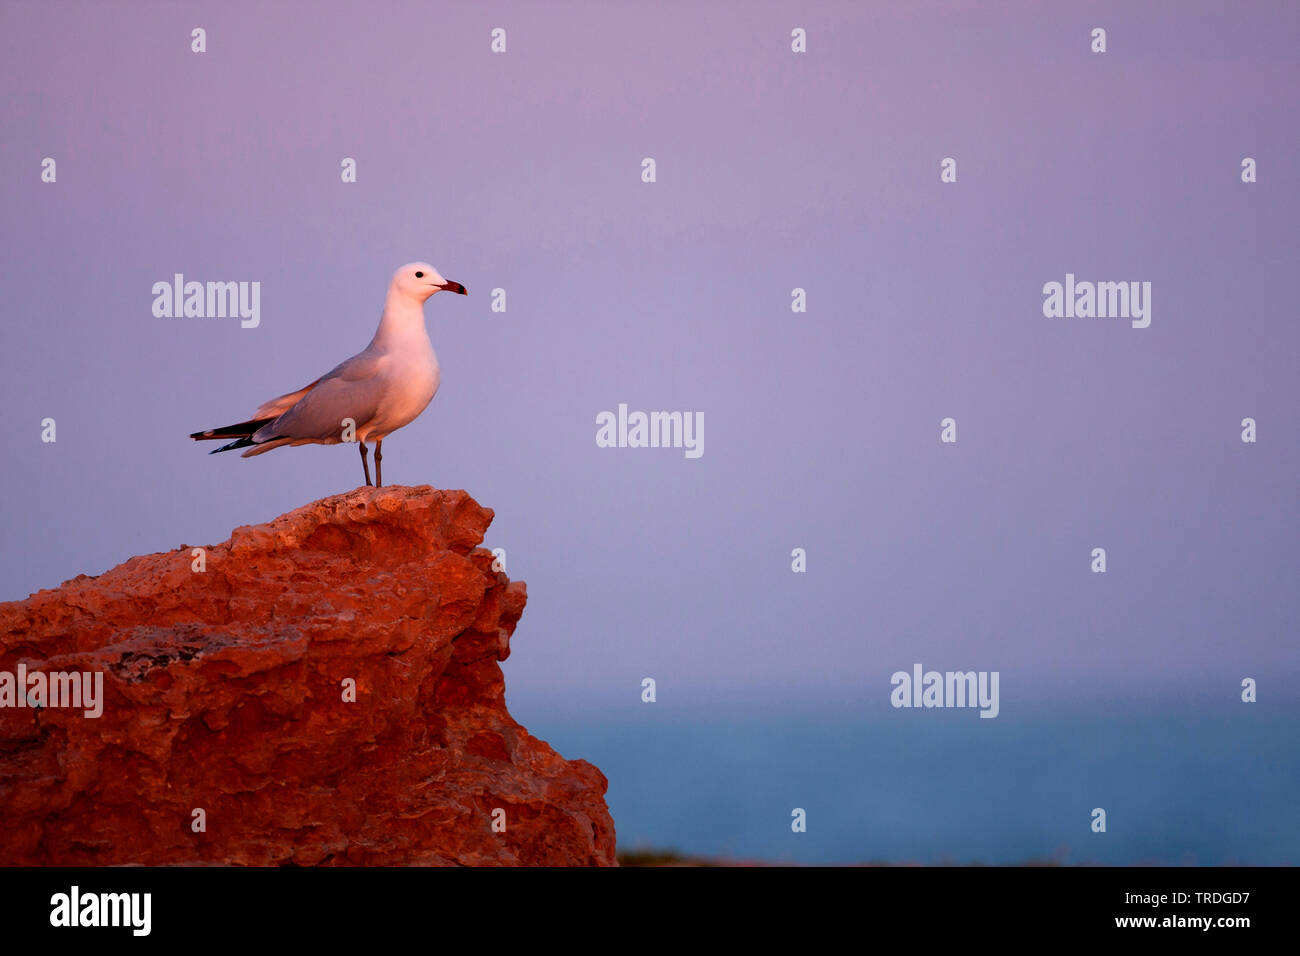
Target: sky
774,170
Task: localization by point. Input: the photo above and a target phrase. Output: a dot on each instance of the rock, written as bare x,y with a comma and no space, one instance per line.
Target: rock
224,691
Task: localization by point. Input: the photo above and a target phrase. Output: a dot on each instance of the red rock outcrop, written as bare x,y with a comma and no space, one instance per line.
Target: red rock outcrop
224,690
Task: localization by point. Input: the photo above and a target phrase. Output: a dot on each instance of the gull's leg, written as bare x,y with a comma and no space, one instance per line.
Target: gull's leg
365,463
379,469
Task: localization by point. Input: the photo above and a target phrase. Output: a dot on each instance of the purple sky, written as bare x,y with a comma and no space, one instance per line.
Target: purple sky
775,170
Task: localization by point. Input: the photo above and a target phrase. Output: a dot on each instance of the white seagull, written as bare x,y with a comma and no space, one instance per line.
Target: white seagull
370,396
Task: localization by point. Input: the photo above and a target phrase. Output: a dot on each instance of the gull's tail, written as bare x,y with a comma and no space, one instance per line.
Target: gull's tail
242,432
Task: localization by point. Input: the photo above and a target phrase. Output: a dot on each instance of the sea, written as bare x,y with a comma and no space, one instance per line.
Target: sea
1202,782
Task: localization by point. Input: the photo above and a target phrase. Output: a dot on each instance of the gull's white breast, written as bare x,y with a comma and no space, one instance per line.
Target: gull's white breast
413,377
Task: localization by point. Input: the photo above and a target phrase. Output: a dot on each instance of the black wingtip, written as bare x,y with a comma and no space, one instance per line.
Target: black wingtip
241,430
242,443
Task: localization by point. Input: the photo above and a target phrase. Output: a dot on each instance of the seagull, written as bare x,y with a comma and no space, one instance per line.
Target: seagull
370,396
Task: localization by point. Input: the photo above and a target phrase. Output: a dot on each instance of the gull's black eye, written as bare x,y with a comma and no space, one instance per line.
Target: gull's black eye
419,275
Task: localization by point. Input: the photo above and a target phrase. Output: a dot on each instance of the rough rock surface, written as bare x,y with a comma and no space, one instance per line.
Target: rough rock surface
224,691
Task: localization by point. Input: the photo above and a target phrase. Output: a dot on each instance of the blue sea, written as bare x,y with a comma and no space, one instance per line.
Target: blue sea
1182,783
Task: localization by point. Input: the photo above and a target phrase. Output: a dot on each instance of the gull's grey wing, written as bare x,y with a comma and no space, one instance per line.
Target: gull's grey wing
352,390
275,407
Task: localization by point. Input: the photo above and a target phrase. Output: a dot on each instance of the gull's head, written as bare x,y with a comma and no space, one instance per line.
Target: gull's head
419,280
